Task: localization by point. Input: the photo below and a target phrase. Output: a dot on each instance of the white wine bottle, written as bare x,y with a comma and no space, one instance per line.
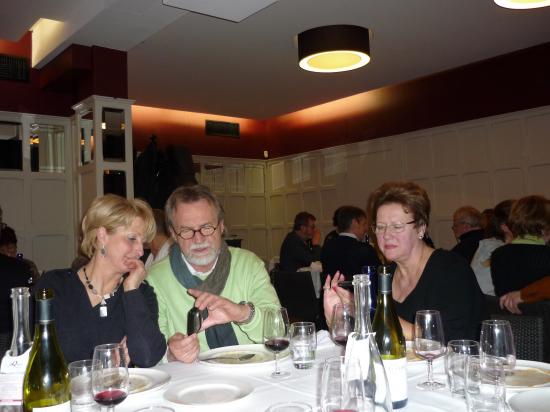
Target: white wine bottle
390,340
46,381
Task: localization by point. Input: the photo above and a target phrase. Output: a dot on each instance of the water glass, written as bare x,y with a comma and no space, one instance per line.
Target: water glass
343,388
496,339
485,388
455,363
82,398
303,344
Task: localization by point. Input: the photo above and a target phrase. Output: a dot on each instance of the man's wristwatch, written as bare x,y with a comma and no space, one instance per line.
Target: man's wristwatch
250,315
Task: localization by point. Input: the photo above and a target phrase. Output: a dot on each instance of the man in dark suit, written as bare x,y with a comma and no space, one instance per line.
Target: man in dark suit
13,273
348,252
301,246
467,230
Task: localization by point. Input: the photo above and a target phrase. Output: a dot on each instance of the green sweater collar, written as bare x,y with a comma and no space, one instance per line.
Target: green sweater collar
529,240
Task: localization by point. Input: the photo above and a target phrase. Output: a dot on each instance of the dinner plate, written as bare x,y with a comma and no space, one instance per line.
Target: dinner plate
536,400
208,391
528,375
228,356
144,380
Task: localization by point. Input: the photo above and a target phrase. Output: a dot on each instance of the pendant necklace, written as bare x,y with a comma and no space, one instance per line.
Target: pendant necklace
103,306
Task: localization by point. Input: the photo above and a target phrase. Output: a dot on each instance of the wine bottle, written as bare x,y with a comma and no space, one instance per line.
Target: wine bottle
21,340
46,381
390,340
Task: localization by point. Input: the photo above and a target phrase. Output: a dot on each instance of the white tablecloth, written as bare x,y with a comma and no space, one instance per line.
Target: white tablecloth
302,385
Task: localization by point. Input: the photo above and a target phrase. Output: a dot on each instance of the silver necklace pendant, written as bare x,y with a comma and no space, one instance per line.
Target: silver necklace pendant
103,309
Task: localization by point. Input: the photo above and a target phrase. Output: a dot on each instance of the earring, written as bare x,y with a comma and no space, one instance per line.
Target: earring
421,236
103,251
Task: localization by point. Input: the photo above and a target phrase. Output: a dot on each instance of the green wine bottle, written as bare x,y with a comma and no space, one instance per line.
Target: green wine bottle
46,381
390,340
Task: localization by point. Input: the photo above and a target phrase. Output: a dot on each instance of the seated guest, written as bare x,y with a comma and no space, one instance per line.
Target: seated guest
526,259
107,300
8,247
160,245
424,278
301,246
347,253
495,236
467,230
333,233
230,286
13,273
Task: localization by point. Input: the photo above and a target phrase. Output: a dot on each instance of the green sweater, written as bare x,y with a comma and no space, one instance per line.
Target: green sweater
248,280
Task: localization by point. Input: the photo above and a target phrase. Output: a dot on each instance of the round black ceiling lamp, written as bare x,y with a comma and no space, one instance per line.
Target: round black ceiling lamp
336,48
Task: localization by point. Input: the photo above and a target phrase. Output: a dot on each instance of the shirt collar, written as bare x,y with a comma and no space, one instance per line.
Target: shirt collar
348,235
529,240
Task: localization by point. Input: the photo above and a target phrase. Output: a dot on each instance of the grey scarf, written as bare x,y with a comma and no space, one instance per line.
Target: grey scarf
218,335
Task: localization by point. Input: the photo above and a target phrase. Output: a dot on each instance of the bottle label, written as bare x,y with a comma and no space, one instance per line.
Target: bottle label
396,370
62,407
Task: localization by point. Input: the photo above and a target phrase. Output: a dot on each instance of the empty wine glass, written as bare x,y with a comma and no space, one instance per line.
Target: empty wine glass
342,323
276,335
110,379
497,340
429,343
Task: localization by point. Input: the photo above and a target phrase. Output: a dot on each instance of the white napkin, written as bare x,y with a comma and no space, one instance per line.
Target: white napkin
323,340
15,364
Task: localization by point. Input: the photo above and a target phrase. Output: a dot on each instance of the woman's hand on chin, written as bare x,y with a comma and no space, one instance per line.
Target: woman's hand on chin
136,275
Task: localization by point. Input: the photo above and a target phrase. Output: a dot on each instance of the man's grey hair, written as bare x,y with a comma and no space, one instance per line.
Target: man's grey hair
191,194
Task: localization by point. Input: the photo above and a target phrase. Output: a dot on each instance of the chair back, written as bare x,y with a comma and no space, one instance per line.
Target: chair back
297,294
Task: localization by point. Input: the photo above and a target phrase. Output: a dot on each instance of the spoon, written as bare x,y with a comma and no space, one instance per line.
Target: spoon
244,357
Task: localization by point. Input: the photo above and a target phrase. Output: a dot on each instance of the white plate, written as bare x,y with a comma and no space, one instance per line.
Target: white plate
529,375
208,392
536,400
144,380
231,354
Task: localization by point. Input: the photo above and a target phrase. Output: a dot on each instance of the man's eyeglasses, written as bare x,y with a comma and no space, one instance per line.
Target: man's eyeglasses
392,228
187,233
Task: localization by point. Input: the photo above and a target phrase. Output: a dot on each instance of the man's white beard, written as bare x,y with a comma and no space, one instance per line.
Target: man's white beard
202,260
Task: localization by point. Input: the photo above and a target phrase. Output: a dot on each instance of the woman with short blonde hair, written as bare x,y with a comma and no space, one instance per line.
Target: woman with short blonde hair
107,300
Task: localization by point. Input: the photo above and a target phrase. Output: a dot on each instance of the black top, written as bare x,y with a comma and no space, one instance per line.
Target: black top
133,314
469,243
514,266
348,255
13,273
449,285
296,254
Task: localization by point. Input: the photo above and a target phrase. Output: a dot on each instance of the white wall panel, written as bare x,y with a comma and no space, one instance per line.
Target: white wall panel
539,180
49,250
446,197
236,210
478,189
312,203
509,184
474,148
417,156
277,210
255,179
258,242
330,202
49,205
293,206
257,211
538,138
12,201
506,144
446,153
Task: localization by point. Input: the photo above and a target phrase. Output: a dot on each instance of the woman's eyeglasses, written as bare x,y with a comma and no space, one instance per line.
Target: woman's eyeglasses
391,228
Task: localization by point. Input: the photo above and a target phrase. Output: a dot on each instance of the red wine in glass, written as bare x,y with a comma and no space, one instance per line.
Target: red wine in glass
276,345
110,397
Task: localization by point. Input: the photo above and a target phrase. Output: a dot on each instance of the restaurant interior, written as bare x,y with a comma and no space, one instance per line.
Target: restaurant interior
456,97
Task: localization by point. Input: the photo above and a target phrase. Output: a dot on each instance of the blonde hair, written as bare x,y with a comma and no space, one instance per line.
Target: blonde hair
111,212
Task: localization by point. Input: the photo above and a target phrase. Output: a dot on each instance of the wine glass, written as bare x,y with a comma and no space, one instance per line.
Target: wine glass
342,323
497,340
110,379
276,335
429,343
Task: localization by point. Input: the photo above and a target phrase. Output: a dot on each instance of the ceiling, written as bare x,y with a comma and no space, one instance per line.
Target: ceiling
241,60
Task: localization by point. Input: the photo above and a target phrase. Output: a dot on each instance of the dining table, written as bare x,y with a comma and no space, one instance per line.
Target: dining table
303,385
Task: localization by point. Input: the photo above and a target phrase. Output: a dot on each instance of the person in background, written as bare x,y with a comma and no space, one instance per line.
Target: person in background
495,236
107,299
423,278
333,233
160,245
8,247
486,221
348,253
230,286
468,231
301,246
520,269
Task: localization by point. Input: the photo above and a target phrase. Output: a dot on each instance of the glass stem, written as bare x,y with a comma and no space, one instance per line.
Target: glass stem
430,371
277,363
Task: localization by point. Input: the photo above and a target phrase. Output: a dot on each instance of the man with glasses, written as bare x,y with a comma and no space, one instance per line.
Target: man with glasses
301,246
230,286
467,230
